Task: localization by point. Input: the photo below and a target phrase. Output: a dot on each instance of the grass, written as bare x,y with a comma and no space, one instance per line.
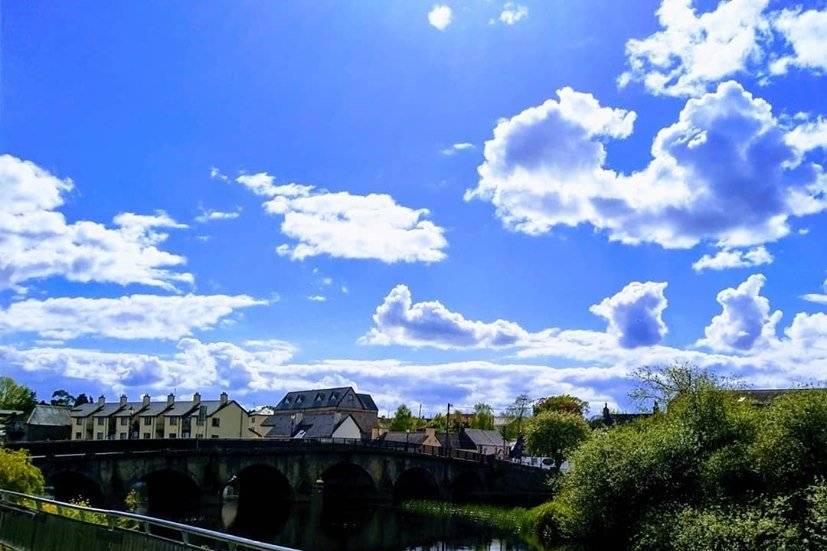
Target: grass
513,520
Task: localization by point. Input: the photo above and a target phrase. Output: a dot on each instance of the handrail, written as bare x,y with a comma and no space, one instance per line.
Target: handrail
184,530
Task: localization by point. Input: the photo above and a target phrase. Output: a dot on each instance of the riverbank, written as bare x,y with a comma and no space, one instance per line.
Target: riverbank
516,521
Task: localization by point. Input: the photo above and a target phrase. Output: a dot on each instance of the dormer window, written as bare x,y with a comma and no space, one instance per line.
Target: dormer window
334,396
299,400
320,396
287,401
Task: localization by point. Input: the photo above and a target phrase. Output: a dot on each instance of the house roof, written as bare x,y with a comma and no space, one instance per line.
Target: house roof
263,410
154,409
766,395
56,416
416,438
211,405
109,409
321,425
341,397
84,410
180,409
130,408
481,437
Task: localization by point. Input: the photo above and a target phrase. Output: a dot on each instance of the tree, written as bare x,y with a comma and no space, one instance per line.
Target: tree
17,473
403,419
62,398
516,413
664,383
564,403
82,399
438,422
17,397
554,434
483,417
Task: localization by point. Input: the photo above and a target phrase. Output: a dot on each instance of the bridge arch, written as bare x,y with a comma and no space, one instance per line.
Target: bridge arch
467,486
75,486
348,481
170,493
415,483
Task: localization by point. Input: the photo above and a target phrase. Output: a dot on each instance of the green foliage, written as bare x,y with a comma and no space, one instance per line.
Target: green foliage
516,520
14,396
564,403
517,414
555,434
403,419
62,398
17,473
483,417
713,472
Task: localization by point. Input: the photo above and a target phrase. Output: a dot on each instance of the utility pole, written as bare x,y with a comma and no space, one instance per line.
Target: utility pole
420,410
448,428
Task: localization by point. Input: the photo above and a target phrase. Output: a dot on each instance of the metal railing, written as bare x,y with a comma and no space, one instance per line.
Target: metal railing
190,536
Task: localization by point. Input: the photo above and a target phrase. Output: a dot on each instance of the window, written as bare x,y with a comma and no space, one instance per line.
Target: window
100,421
147,421
99,436
77,436
124,421
122,436
146,436
199,422
78,421
216,422
214,436
173,421
173,435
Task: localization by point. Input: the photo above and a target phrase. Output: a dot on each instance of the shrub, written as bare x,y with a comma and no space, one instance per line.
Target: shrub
18,474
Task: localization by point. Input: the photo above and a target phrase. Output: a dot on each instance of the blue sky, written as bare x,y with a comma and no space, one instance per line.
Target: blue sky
429,201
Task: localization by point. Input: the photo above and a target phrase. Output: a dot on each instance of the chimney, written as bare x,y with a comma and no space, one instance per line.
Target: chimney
196,397
123,399
145,399
170,398
224,398
101,399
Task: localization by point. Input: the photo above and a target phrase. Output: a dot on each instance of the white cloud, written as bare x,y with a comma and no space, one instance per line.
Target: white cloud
745,322
209,215
440,16
398,321
723,173
348,226
36,241
694,51
512,13
317,298
736,258
215,173
457,148
806,33
128,317
635,314
808,136
820,298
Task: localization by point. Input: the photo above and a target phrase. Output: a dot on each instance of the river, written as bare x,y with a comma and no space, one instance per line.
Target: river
355,526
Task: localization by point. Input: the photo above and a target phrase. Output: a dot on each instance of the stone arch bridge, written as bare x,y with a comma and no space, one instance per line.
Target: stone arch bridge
177,475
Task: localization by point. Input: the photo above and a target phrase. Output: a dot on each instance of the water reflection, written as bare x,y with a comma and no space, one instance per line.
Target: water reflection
355,525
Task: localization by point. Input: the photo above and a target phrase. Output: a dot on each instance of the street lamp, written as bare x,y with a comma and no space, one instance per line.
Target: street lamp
407,438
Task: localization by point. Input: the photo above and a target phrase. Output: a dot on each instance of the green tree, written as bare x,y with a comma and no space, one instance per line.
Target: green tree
564,403
17,473
516,414
438,422
62,398
14,396
403,419
483,417
554,434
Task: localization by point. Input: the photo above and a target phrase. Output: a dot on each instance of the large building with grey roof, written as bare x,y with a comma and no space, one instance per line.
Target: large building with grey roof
325,408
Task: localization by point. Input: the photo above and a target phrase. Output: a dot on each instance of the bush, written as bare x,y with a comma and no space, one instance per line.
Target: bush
17,473
555,434
736,528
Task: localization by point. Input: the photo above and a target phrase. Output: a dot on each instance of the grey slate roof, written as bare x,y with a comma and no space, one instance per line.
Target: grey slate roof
84,410
130,408
341,397
54,416
109,409
211,405
321,425
180,409
481,437
414,438
155,409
